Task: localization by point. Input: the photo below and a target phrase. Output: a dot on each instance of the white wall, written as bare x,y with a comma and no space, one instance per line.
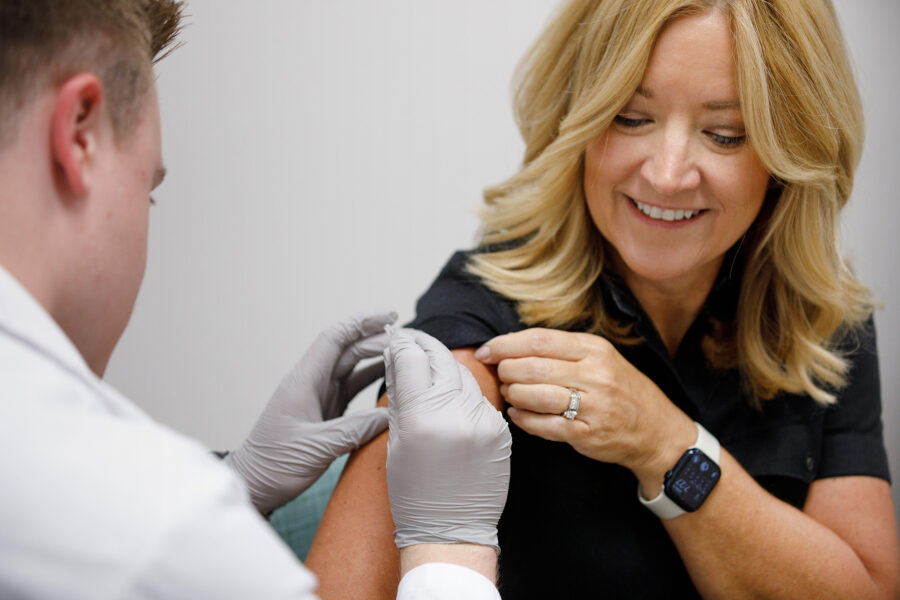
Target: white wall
873,213
326,157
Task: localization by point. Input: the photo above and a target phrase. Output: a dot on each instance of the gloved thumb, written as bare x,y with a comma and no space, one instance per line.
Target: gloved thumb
410,371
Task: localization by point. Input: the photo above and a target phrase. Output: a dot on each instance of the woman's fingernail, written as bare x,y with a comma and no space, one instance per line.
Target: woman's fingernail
483,353
504,388
513,413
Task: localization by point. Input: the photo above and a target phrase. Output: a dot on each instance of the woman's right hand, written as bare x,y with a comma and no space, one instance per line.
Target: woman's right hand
623,417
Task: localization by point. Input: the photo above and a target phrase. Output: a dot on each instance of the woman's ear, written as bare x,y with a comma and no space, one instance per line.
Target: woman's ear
75,130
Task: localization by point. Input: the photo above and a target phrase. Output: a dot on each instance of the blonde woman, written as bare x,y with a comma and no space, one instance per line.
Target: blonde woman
659,299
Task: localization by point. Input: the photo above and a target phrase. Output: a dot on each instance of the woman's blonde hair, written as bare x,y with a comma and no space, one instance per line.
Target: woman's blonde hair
803,118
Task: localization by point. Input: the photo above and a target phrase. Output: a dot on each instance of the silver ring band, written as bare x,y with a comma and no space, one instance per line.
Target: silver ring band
574,404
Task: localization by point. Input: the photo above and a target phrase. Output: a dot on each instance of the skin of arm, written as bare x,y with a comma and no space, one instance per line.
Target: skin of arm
353,553
745,543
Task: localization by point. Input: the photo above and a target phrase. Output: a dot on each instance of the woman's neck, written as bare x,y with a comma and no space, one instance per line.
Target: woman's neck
671,304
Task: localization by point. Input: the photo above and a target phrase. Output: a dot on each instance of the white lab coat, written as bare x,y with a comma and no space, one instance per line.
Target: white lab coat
100,501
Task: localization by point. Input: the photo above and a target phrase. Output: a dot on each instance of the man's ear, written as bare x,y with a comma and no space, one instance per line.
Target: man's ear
75,129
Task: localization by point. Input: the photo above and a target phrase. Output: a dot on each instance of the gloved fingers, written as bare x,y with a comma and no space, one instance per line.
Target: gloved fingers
441,360
505,436
361,378
485,418
500,430
295,396
388,373
364,348
410,371
347,433
361,326
471,391
333,341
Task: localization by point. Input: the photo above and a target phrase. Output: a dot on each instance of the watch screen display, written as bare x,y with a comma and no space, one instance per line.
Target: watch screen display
692,479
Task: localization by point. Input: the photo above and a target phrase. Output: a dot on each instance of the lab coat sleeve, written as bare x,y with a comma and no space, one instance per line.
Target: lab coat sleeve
213,544
444,581
222,549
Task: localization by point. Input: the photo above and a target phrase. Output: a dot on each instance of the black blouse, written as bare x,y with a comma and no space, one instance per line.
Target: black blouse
572,526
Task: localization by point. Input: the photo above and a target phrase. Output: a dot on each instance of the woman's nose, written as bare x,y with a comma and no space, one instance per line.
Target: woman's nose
669,167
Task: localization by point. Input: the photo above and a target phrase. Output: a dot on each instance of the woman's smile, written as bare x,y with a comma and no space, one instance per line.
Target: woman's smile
667,215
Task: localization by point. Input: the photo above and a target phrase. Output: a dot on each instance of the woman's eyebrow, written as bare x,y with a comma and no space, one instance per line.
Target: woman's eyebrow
722,104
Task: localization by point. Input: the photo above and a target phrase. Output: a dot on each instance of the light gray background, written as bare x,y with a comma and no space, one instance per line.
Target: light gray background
326,157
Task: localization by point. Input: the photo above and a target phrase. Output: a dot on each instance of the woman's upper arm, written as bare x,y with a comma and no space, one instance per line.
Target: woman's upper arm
485,375
353,553
861,512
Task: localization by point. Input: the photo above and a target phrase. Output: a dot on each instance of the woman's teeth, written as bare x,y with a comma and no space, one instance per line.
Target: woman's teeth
655,212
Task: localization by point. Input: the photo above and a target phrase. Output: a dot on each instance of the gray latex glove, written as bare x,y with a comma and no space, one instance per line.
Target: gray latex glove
449,448
301,430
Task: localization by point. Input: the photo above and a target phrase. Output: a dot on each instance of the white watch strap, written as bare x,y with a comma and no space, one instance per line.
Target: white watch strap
663,506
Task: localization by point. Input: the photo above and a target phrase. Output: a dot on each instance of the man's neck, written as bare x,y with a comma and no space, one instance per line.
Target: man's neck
38,255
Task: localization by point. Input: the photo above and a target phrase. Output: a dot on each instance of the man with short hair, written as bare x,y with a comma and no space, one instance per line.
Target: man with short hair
102,502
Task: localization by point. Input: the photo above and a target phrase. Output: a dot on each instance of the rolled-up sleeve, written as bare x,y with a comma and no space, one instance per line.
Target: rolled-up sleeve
853,438
460,311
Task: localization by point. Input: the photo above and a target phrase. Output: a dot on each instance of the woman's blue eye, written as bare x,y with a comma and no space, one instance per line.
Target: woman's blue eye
627,122
727,141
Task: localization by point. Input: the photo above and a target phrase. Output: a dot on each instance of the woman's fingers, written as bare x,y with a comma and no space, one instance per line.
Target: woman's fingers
539,398
534,369
549,343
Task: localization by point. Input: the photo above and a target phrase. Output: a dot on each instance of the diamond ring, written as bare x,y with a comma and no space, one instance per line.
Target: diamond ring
574,404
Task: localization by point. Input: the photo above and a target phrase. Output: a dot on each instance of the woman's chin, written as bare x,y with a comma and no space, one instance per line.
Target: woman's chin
666,267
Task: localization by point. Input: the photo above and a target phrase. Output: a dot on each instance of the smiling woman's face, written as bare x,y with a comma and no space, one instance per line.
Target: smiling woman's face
672,183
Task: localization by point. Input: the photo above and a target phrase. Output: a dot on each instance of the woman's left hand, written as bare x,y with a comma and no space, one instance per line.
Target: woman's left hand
623,417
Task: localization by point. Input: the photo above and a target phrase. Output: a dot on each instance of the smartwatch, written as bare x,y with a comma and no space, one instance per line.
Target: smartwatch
687,485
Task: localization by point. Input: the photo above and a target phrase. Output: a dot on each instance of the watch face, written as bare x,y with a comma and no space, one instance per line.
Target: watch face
692,479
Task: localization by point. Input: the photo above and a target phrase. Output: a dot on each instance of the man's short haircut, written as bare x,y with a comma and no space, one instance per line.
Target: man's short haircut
44,42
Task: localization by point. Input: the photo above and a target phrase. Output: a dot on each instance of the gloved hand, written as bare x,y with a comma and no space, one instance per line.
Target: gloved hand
301,430
449,448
